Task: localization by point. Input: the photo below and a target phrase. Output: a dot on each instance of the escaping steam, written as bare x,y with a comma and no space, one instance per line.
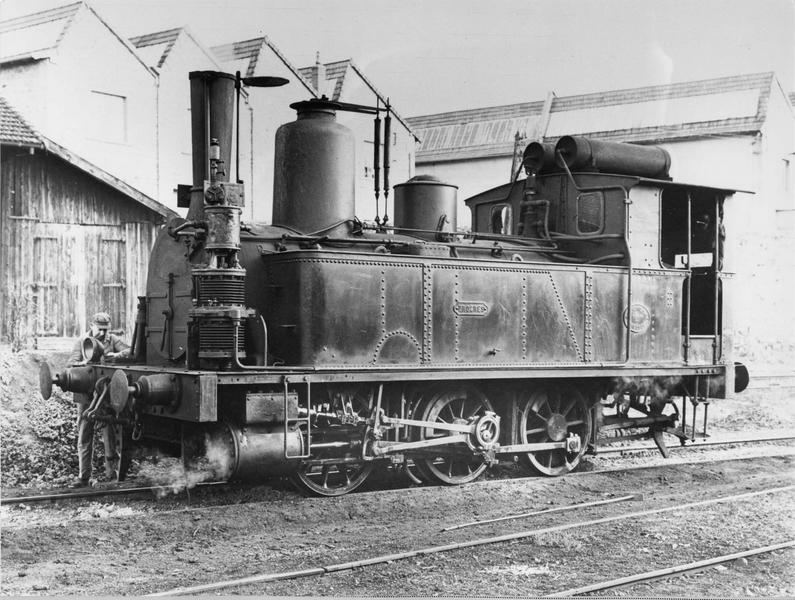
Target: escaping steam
202,462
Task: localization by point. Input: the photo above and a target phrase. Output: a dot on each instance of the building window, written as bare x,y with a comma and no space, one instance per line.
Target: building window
109,117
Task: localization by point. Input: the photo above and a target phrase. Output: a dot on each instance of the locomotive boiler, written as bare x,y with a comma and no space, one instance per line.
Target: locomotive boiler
589,295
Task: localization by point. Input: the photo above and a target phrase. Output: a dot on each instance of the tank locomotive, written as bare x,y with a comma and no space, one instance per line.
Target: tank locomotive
588,296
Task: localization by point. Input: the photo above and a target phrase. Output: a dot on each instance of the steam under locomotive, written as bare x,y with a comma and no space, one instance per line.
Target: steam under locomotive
588,296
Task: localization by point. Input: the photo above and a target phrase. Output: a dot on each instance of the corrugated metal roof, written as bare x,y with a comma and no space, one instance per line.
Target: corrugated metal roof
792,98
246,54
722,106
154,47
35,35
14,130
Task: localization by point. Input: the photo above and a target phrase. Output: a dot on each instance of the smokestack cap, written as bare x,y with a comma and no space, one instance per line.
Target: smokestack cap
316,104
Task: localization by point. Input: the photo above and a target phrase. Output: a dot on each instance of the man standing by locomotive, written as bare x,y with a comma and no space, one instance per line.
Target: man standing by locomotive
113,347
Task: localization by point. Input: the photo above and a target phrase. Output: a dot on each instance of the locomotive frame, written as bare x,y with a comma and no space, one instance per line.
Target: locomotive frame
321,345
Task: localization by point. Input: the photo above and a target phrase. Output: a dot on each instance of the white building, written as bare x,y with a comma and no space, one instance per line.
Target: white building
733,132
77,82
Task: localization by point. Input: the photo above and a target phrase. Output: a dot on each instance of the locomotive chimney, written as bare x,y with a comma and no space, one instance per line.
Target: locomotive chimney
212,118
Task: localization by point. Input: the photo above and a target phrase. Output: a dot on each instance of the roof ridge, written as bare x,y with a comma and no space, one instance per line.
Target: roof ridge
139,41
352,64
222,50
42,16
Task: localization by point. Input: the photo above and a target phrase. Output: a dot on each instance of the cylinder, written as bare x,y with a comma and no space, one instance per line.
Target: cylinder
427,203
314,172
539,157
255,452
159,388
613,157
223,227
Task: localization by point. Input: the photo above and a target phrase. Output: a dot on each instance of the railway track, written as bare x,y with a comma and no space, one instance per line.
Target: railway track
476,542
311,547
676,570
157,489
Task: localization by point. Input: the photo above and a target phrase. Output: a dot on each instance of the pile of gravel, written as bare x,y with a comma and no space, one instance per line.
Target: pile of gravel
37,436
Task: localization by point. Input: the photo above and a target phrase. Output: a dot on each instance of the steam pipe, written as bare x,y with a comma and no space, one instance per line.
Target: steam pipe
689,275
377,159
237,125
236,356
716,351
387,144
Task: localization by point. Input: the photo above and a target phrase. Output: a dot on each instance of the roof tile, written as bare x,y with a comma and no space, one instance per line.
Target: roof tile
165,39
14,130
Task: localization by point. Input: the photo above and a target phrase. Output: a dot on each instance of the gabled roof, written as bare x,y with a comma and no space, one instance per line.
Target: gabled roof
338,71
38,35
723,106
14,131
245,55
155,48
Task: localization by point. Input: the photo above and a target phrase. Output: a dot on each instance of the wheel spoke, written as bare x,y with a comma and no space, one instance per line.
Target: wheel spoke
561,411
324,475
459,464
449,407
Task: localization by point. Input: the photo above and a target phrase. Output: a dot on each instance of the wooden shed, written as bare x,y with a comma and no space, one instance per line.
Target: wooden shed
74,239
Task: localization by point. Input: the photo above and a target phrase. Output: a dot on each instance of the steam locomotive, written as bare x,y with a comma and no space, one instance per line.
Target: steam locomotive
589,295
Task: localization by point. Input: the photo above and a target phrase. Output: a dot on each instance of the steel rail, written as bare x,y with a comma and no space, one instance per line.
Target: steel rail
676,570
99,493
124,491
697,444
269,577
547,511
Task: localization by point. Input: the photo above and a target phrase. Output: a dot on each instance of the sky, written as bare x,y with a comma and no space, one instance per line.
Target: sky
440,55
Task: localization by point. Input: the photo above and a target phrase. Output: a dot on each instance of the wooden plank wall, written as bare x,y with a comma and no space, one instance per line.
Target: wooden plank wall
70,244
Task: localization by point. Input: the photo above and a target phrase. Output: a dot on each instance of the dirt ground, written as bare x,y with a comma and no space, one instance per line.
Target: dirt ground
148,544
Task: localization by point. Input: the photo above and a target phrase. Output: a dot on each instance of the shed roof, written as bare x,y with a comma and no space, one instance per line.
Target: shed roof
38,35
722,106
15,131
338,71
245,55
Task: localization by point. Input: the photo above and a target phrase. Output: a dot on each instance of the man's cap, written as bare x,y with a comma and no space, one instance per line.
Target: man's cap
102,320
